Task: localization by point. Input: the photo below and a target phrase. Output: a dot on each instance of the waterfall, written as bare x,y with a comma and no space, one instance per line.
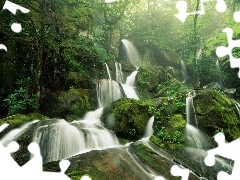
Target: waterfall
194,137
149,128
219,73
128,87
184,72
190,111
60,139
119,74
107,92
132,53
108,72
15,133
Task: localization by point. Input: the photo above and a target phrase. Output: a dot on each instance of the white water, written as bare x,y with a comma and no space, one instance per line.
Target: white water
132,53
184,72
61,139
149,128
15,133
129,88
119,74
108,72
190,112
107,92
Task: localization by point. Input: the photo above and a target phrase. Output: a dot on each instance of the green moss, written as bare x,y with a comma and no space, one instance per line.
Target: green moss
19,119
74,102
148,78
216,111
129,117
177,121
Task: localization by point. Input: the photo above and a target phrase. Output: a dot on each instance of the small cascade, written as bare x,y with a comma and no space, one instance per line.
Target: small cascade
128,87
219,75
184,72
119,74
132,53
60,139
108,72
192,133
107,92
190,111
15,133
149,128
194,137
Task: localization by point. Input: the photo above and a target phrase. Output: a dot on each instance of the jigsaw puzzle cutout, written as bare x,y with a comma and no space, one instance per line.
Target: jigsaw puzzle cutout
9,169
16,27
178,171
182,9
227,150
222,51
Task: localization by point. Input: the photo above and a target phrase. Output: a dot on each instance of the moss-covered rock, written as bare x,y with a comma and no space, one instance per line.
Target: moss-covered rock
24,137
72,102
148,80
19,119
127,117
216,112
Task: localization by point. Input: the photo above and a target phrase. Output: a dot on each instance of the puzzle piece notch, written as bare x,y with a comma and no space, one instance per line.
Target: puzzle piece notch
222,51
236,16
178,171
182,9
32,169
227,150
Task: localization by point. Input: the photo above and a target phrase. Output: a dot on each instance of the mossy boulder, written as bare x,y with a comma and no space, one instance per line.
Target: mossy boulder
24,137
216,112
148,79
17,120
74,102
127,117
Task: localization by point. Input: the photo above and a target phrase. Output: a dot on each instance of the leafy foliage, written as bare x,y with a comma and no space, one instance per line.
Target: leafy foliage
21,101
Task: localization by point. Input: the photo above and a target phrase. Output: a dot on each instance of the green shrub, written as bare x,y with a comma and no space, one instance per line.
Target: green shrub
21,100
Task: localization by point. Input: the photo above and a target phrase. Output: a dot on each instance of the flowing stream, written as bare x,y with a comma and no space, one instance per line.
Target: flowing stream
60,139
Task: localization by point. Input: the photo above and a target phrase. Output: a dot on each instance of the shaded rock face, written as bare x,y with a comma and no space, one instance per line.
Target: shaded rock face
148,79
127,117
105,165
216,112
72,102
127,69
135,162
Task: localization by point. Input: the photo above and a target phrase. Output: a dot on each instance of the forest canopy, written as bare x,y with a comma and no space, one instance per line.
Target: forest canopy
60,37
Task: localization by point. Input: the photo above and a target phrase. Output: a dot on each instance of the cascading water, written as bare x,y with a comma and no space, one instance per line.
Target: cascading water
184,72
119,74
194,137
128,87
107,92
190,111
14,134
134,58
132,53
149,128
60,139
192,133
218,68
108,72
